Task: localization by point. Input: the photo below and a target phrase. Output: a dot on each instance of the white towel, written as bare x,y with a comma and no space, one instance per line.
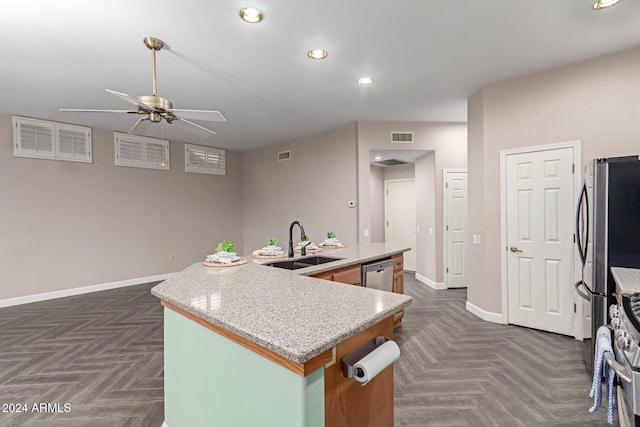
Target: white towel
600,366
218,259
328,243
309,246
267,252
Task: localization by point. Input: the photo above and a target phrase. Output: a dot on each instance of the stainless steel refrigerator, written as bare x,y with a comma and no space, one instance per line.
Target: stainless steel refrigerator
607,234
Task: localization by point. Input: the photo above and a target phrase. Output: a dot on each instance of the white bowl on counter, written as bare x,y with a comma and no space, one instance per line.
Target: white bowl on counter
223,254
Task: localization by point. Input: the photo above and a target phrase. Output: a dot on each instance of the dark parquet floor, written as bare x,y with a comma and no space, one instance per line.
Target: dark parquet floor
101,353
458,370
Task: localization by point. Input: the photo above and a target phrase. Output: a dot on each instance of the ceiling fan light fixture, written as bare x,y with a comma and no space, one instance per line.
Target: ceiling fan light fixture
251,15
603,4
365,81
317,54
154,109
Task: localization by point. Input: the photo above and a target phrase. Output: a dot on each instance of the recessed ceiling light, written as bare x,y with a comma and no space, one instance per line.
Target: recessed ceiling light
365,81
378,157
251,14
317,54
603,4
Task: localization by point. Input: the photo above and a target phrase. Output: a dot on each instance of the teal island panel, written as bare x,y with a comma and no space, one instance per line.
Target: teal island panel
211,381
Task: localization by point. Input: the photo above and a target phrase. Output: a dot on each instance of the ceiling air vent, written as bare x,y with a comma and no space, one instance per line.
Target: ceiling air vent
402,137
284,155
390,162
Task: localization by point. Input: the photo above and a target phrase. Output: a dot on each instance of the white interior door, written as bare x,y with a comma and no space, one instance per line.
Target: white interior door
540,213
455,228
400,217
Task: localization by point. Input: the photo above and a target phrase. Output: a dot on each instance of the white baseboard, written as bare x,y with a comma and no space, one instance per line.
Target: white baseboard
429,282
7,302
485,315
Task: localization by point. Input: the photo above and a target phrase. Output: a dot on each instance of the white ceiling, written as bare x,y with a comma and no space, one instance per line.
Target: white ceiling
426,57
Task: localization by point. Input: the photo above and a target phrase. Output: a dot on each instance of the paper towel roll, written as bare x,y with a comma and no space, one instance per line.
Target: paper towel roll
375,362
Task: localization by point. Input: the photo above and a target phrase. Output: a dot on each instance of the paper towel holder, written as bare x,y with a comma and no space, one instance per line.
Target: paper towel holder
356,355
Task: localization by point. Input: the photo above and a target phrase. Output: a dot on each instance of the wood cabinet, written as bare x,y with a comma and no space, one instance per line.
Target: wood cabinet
346,402
398,262
327,275
398,284
349,275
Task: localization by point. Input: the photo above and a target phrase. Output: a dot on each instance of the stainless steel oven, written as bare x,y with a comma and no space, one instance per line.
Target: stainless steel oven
624,390
626,339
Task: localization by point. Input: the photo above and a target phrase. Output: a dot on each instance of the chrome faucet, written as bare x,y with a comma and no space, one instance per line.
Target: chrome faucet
302,236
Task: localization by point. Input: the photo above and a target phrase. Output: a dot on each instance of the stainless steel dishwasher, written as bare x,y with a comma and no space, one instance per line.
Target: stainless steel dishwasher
378,275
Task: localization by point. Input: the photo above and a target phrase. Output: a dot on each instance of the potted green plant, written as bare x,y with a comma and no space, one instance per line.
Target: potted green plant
271,242
331,239
226,249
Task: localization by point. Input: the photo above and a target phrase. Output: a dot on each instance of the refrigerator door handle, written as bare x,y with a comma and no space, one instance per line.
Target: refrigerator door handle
582,250
584,295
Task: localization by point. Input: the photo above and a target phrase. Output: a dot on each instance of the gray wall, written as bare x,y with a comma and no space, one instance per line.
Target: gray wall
377,203
594,101
447,140
314,187
378,175
426,250
406,171
65,224
476,203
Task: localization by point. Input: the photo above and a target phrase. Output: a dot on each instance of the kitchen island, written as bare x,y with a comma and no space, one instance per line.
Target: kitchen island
260,346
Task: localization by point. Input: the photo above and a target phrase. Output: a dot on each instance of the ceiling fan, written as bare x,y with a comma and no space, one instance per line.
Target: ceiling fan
153,109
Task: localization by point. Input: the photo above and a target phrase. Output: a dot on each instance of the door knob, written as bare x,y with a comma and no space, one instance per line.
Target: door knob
514,249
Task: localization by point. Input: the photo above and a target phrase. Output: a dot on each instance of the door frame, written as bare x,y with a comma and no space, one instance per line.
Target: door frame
444,218
577,184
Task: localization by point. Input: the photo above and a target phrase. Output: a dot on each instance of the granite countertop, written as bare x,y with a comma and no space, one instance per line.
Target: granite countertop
627,279
349,255
285,311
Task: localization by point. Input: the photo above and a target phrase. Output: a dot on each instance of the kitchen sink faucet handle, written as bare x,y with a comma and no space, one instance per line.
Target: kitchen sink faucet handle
303,250
302,236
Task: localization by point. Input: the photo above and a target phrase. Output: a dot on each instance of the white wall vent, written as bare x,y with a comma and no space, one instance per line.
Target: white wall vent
141,152
50,140
198,159
284,155
402,137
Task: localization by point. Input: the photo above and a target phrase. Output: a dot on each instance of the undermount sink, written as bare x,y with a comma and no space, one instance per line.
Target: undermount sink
316,260
301,262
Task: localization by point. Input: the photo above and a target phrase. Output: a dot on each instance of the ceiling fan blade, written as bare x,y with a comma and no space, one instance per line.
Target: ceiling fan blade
130,99
192,127
85,110
142,124
206,115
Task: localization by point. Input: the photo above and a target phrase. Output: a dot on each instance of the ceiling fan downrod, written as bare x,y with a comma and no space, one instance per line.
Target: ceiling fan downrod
155,101
153,44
